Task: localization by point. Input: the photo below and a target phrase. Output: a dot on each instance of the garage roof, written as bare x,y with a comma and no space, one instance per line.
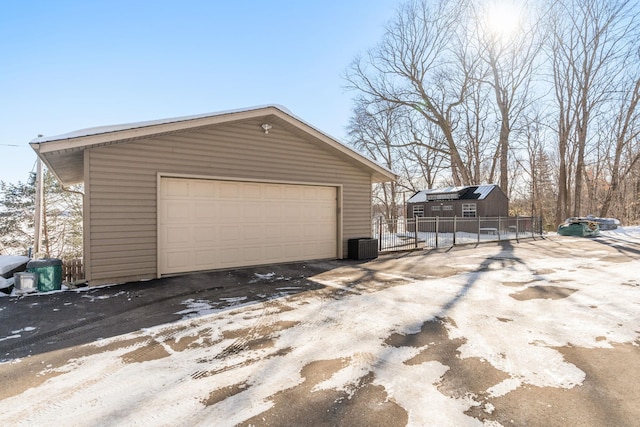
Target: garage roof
63,154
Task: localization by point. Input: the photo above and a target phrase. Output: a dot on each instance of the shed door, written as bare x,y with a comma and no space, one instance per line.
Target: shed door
209,224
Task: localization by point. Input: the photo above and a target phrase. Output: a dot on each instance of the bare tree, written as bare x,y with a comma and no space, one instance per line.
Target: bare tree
539,168
629,208
589,39
373,130
486,106
388,133
476,136
626,147
510,59
422,64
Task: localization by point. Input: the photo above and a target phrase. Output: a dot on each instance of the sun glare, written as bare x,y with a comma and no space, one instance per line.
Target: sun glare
503,20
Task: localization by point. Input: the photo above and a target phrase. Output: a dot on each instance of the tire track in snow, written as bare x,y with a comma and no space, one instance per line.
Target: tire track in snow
140,354
75,329
76,395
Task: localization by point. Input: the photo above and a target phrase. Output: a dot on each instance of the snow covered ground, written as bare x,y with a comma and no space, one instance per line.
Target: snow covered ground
231,366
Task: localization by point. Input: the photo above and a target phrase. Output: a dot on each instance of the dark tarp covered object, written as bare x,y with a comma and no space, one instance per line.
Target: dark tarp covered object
579,227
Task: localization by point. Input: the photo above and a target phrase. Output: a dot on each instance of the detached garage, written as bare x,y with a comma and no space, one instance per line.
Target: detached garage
240,188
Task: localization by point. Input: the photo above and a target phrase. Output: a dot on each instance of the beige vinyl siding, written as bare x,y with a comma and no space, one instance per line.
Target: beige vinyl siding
121,186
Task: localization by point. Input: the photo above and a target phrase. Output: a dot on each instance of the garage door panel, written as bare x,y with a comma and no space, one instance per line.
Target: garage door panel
326,193
310,193
203,189
205,235
322,230
292,213
176,211
252,233
221,224
293,250
177,259
175,188
205,210
177,235
228,189
272,252
251,191
252,210
251,254
229,211
273,192
325,213
293,232
229,234
310,212
272,211
292,192
205,258
227,256
273,231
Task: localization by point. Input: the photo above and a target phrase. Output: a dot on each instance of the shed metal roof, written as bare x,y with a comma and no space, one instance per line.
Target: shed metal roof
467,192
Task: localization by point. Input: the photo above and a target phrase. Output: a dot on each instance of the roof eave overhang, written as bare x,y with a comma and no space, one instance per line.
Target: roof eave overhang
77,177
74,144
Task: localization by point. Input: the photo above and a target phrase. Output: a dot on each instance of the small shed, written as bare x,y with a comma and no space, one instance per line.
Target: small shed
468,201
237,188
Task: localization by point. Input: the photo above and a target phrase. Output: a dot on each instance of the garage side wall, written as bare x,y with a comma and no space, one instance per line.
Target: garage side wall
121,187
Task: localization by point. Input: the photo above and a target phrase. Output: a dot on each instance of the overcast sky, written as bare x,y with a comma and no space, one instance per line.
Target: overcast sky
68,65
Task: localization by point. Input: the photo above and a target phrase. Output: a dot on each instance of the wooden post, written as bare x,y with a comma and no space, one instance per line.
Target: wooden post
37,228
478,229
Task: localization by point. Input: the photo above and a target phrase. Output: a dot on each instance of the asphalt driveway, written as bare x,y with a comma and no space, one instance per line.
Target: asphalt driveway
58,320
541,332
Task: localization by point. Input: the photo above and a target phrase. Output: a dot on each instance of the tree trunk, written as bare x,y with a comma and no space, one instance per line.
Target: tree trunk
504,154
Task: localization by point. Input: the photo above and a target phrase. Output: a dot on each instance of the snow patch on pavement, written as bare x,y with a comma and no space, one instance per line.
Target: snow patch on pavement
519,338
196,308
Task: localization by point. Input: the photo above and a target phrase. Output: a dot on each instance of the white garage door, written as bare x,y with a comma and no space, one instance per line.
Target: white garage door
207,224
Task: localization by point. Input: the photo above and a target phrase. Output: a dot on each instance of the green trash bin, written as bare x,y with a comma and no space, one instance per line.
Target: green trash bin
49,272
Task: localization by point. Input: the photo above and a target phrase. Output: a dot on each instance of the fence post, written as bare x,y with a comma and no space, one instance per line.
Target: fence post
499,226
455,229
437,230
517,228
415,232
380,234
478,229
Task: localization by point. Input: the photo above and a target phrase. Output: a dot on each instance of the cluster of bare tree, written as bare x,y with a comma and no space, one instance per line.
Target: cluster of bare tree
539,96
